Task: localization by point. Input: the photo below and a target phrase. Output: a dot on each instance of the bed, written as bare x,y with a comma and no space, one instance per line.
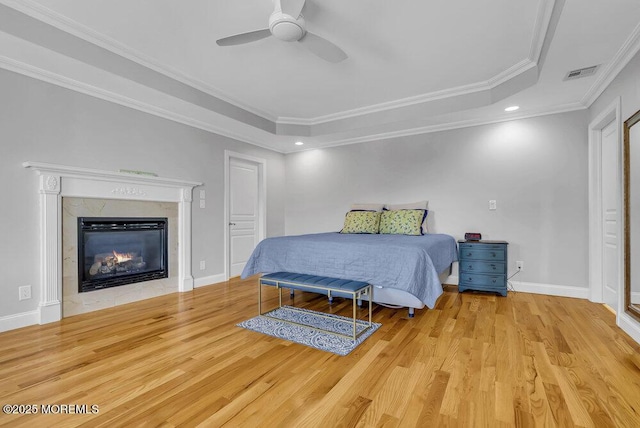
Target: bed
404,270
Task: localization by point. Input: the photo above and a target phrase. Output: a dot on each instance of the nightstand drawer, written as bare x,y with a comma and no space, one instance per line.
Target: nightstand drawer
476,253
483,281
482,267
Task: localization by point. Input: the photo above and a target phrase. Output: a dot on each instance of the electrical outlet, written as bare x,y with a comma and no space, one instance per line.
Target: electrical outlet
520,265
492,204
24,292
203,265
202,203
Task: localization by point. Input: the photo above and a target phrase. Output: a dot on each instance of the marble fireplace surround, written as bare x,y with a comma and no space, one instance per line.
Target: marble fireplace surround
58,181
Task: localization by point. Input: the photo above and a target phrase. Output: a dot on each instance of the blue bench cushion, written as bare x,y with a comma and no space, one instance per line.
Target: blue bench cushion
299,280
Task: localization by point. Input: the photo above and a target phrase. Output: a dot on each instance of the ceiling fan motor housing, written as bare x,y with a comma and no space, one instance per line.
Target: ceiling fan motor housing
285,27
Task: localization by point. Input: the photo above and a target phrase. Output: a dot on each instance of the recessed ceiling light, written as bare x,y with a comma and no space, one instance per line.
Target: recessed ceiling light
512,108
299,143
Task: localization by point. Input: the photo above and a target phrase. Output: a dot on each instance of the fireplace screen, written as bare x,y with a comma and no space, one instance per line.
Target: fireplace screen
119,251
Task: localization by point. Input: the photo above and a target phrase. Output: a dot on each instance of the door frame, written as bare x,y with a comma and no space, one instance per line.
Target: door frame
262,199
596,229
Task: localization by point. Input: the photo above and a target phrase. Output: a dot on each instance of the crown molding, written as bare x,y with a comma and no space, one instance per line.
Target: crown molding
564,108
504,76
389,105
627,51
84,88
58,80
63,23
511,72
540,28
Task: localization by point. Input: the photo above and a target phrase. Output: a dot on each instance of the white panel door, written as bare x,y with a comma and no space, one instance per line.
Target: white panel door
610,215
243,213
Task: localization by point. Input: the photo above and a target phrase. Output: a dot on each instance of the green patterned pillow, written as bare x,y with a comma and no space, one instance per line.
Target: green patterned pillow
402,222
361,222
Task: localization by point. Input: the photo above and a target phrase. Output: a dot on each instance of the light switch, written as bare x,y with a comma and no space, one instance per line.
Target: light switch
202,194
492,204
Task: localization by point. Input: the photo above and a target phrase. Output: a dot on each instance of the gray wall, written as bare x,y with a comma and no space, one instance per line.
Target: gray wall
45,123
536,170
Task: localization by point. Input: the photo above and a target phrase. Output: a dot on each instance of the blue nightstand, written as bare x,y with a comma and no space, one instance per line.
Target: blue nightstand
482,266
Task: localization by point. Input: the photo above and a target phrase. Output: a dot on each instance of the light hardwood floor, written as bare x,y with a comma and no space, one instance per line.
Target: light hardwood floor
474,360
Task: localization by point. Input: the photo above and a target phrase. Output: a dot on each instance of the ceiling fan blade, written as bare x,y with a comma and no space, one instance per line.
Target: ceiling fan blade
323,48
240,39
292,7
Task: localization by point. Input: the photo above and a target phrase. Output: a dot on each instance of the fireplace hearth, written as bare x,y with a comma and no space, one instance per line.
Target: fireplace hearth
118,251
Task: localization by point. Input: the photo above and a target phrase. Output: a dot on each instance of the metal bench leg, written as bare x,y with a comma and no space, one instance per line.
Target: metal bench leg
259,297
353,299
370,299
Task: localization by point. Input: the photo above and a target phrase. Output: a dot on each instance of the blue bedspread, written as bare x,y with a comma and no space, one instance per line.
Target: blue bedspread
409,263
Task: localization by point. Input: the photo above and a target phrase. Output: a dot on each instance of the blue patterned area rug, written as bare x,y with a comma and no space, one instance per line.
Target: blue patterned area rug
308,336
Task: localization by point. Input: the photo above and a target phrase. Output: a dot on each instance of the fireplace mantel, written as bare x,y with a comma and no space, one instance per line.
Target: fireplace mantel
57,181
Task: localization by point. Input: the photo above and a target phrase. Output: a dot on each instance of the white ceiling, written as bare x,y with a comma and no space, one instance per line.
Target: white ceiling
413,66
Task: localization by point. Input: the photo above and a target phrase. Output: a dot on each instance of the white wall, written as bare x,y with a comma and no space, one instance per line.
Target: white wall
45,123
536,170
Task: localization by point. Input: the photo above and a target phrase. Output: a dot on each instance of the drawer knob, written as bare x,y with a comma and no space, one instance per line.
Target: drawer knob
493,254
494,281
470,279
470,267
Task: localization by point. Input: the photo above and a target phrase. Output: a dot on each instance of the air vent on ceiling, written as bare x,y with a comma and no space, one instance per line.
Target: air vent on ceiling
581,72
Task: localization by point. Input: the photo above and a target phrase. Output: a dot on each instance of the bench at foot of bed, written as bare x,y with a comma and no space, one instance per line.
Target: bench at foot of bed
354,290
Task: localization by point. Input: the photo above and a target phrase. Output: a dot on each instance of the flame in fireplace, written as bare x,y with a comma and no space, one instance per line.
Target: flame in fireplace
122,257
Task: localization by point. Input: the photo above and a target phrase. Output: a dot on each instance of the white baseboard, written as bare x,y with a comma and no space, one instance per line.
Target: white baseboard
12,322
449,280
208,280
630,326
537,288
552,289
25,319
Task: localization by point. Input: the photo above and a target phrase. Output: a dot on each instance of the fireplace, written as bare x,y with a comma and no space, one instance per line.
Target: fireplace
117,251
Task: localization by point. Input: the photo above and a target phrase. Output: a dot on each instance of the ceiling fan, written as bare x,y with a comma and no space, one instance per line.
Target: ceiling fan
287,24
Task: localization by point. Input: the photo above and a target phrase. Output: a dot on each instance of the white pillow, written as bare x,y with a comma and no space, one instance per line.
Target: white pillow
367,207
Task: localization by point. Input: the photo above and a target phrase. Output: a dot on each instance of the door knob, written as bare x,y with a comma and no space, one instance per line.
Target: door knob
232,224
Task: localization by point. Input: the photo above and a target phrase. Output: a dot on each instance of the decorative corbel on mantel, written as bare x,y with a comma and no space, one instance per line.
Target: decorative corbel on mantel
57,181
